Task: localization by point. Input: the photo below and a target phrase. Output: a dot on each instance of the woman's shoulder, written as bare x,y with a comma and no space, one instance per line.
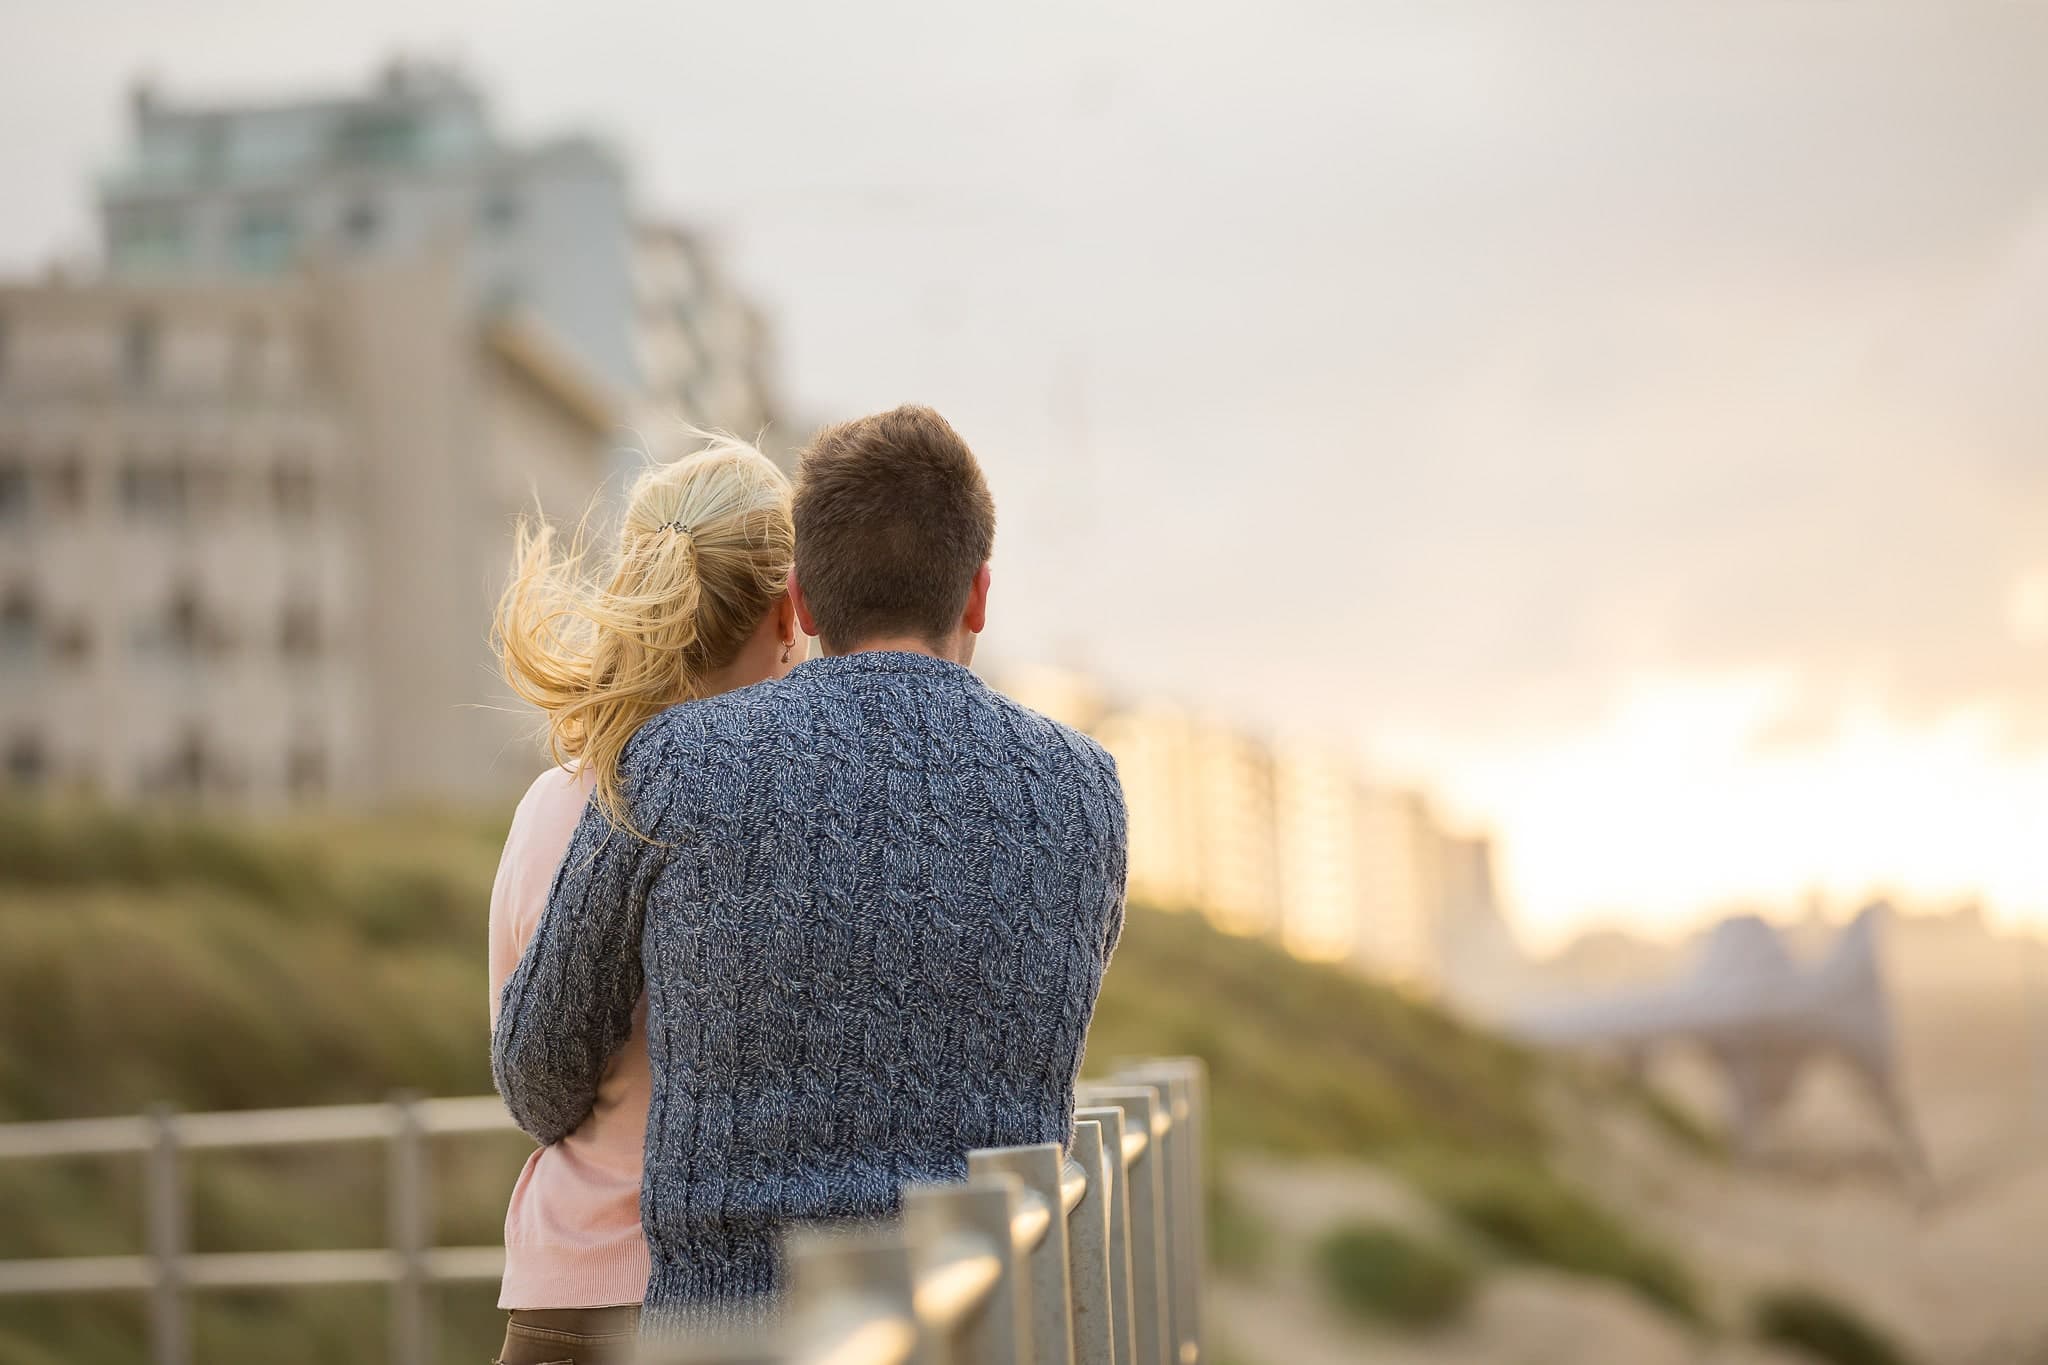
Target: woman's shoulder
556,797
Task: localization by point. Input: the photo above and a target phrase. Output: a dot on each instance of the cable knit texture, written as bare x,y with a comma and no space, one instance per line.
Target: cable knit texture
871,929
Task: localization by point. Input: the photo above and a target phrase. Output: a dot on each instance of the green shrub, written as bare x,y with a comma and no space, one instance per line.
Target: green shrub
1822,1328
1378,1271
1528,1213
1240,1241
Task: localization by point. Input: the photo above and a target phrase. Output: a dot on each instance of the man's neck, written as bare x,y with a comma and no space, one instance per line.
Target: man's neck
899,644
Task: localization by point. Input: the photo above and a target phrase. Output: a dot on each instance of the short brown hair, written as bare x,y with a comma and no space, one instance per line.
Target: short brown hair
892,519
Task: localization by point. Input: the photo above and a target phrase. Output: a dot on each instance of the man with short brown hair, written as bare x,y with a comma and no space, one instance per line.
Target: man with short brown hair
873,907
894,525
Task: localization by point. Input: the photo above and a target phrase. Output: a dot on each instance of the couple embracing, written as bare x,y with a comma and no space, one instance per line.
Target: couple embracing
774,938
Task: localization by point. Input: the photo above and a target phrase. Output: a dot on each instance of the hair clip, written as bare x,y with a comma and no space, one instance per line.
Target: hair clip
683,527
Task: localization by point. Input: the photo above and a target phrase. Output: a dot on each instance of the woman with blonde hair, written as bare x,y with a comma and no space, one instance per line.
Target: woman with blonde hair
696,603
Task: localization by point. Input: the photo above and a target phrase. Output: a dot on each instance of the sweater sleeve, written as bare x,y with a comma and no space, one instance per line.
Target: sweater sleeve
1116,857
568,1005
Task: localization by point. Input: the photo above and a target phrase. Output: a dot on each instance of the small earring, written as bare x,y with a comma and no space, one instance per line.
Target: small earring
787,645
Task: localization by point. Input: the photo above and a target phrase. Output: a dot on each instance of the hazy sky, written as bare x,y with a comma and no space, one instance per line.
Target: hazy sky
1630,418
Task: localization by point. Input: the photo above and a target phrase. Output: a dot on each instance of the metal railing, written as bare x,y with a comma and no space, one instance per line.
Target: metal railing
1091,1256
170,1270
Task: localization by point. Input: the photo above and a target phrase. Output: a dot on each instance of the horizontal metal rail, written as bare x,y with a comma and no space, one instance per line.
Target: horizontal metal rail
1084,1254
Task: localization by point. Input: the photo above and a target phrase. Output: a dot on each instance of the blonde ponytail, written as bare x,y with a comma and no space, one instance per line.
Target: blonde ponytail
703,553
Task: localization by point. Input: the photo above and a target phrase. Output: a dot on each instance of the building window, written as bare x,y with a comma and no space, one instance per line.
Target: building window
27,764
71,643
499,212
380,137
298,631
360,223
139,352
17,498
67,482
185,621
146,237
154,489
264,239
19,623
190,767
305,771
294,488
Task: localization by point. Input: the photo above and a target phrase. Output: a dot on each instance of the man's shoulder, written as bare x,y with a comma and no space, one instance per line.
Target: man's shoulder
1074,751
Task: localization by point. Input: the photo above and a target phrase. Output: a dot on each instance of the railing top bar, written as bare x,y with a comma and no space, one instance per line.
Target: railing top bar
287,1127
229,1128
1028,1225
1073,1185
262,1269
75,1137
244,1270
956,1282
866,1334
472,1114
76,1275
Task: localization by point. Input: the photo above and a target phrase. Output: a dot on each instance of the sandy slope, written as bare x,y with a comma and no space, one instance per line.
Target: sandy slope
1520,1317
1955,1274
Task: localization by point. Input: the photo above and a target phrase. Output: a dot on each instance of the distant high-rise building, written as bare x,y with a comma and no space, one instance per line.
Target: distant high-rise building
1237,853
1401,853
252,190
1286,842
1200,797
255,527
1154,748
1322,875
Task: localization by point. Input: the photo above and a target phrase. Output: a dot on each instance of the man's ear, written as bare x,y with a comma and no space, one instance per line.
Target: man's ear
975,618
803,608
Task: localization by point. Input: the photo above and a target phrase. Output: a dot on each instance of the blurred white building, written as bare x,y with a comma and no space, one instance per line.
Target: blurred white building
1154,748
254,530
1401,852
253,189
1288,842
549,231
258,482
1318,809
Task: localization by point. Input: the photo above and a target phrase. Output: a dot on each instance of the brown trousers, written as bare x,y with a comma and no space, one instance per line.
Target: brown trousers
570,1336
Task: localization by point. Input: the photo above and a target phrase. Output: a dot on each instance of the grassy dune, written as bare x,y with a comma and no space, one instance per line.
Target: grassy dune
147,960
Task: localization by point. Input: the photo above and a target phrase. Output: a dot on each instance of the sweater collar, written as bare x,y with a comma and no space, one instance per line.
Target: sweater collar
882,661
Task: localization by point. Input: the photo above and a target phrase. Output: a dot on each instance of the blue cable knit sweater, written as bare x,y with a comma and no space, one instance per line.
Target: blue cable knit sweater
871,928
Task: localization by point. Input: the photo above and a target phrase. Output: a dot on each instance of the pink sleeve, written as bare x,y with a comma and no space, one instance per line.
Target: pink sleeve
541,829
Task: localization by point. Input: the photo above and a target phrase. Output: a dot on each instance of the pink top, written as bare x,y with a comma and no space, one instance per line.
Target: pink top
572,1234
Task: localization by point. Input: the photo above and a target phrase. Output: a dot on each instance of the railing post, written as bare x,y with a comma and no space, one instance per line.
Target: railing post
1111,1120
1088,1260
170,1331
1184,1211
409,1214
1041,1167
853,1287
984,1209
1151,1276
